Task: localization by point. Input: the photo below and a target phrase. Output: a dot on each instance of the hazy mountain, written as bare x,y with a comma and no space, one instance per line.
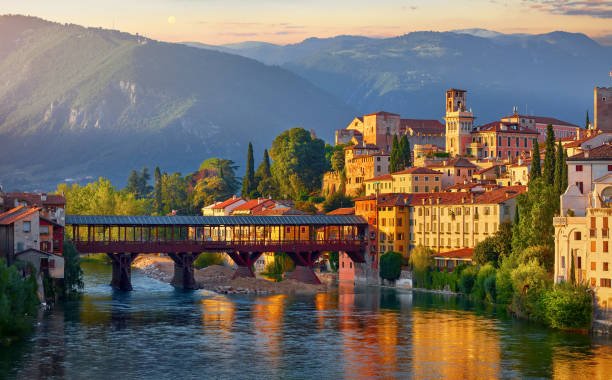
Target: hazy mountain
78,102
549,74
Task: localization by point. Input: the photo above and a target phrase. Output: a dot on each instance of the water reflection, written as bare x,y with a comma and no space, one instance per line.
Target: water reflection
158,332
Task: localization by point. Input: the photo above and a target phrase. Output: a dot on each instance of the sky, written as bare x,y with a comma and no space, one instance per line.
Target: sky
218,22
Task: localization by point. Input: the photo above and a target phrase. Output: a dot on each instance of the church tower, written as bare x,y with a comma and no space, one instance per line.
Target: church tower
459,122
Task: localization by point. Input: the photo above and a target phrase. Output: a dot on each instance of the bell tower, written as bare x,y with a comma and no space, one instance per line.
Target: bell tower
459,122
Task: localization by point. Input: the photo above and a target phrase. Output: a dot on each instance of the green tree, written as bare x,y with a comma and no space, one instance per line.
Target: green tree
337,161
395,161
158,191
391,265
536,171
73,274
306,206
138,183
298,162
587,122
572,269
564,177
486,251
18,302
206,191
544,255
263,170
559,162
226,170
568,306
174,193
537,207
548,171
406,155
529,281
249,187
503,239
337,200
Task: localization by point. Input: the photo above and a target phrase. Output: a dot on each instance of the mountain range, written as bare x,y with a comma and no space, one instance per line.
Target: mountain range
77,103
550,74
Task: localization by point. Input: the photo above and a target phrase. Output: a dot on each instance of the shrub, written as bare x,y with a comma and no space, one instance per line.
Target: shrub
467,279
503,282
316,199
529,281
18,302
207,259
544,255
491,288
567,306
484,272
391,265
282,263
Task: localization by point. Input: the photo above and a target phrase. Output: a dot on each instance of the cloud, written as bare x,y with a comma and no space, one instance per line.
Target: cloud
590,8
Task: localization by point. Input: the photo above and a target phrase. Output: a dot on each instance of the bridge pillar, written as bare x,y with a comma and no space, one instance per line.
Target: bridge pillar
304,262
245,262
183,270
122,270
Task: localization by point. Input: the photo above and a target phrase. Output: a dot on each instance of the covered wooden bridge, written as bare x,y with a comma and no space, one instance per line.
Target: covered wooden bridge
243,238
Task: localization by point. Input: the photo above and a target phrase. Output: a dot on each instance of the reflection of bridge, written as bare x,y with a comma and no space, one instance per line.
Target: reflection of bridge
243,238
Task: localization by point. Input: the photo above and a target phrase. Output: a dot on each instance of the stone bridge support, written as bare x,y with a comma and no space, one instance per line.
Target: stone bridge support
183,270
122,270
245,262
304,262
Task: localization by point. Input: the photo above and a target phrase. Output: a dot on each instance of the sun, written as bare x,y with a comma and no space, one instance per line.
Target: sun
171,20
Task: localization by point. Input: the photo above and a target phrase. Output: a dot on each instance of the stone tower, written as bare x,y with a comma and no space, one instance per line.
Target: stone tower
603,108
459,122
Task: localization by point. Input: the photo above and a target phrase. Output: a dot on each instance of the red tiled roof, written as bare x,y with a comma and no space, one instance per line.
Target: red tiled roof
34,199
13,215
602,152
461,186
489,168
552,120
458,162
370,197
343,211
362,146
417,170
578,143
227,202
462,253
382,113
384,177
493,196
281,211
496,126
255,204
422,125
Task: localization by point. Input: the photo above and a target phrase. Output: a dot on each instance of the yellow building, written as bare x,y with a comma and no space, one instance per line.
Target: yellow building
443,221
586,241
381,184
412,180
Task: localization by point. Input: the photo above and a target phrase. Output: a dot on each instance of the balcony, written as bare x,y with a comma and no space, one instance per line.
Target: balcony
560,221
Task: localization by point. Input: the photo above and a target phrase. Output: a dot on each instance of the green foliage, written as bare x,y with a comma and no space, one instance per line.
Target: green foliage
572,269
282,263
337,161
394,160
503,282
209,258
564,177
330,151
567,306
548,170
157,189
174,193
420,260
102,198
400,154
337,200
406,156
559,162
306,206
486,251
298,162
467,279
334,261
138,183
587,122
18,303
536,171
208,190
316,199
391,265
263,170
440,280
544,255
226,169
479,290
73,274
529,281
537,208
249,186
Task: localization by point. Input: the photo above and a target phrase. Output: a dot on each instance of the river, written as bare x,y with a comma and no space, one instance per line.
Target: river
157,332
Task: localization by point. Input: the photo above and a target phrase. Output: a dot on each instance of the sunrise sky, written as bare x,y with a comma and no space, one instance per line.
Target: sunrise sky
287,21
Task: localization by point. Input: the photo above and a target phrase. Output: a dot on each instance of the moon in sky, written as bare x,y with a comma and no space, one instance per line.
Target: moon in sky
171,20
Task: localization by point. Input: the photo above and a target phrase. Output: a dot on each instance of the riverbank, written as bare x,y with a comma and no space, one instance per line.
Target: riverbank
219,279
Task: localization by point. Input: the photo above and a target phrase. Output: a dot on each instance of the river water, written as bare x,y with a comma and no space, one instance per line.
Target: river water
157,332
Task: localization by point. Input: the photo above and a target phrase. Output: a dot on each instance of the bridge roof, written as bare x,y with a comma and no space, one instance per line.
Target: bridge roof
234,220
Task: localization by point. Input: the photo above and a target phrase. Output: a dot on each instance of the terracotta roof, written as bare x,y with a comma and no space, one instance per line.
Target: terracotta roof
343,211
489,168
578,143
493,196
34,199
384,177
17,213
423,125
370,197
417,170
458,162
462,253
552,120
496,126
281,211
362,146
227,202
382,113
462,186
602,152
255,205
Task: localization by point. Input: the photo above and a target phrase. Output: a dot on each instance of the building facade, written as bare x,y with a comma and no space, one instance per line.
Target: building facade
603,108
459,122
562,129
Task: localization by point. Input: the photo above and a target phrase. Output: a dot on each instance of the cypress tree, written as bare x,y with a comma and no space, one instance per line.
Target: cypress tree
394,163
572,270
263,171
548,169
158,190
248,182
517,217
586,125
564,179
558,180
536,171
405,151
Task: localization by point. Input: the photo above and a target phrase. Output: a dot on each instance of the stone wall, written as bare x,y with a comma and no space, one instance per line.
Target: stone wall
332,181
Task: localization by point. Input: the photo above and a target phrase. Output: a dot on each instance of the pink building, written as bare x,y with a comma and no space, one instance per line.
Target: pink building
561,128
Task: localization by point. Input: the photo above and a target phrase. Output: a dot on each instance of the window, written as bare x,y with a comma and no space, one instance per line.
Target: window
593,281
578,168
605,283
399,222
44,230
593,265
343,264
562,261
416,189
605,267
605,246
610,168
579,264
416,178
27,226
593,246
580,186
